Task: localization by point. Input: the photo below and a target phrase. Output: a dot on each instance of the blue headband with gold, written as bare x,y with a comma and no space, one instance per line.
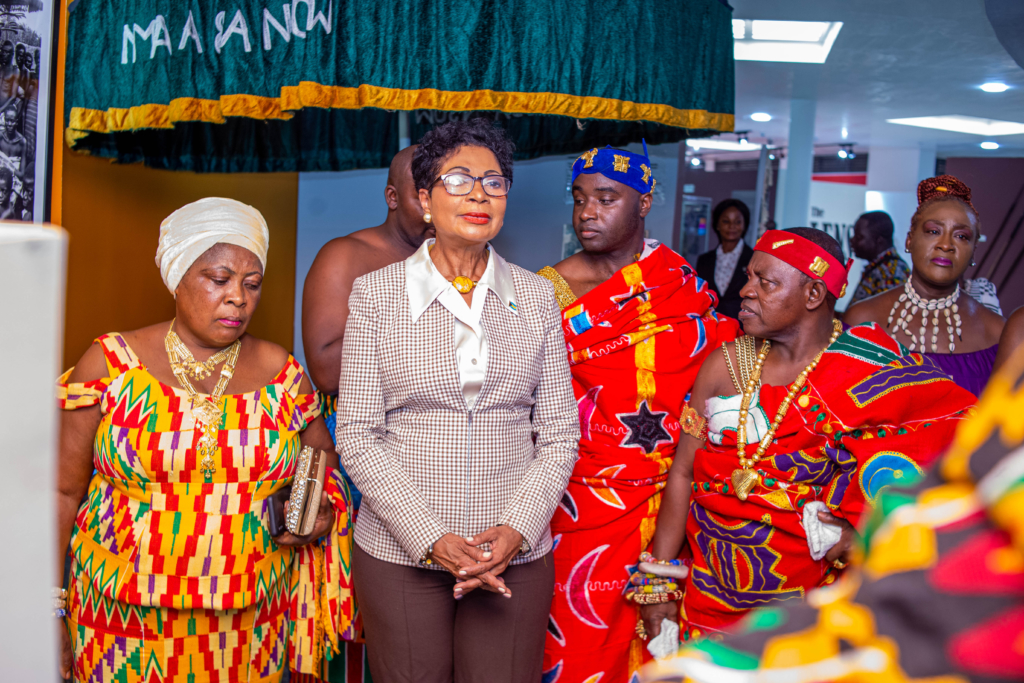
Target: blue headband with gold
628,168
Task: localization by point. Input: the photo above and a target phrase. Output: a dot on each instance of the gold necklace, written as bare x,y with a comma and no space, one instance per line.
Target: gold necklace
463,285
744,478
198,369
206,411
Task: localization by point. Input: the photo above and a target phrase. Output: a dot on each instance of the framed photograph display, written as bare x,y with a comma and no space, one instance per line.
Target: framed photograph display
26,84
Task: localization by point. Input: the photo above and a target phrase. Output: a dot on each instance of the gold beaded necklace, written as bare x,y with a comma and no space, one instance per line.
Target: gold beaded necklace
206,411
744,478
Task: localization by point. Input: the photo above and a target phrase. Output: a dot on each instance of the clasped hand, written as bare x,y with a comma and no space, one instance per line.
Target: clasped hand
324,523
475,567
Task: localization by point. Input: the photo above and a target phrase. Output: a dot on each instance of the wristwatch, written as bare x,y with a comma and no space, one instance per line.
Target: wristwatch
524,547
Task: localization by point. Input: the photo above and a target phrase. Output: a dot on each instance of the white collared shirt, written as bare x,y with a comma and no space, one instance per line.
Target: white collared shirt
725,266
424,283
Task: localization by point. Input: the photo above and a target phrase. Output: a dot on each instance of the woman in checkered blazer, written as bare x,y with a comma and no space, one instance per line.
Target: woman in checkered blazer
456,420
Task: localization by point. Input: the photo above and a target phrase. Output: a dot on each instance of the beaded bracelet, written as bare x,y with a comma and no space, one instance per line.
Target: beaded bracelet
638,578
60,602
654,598
673,569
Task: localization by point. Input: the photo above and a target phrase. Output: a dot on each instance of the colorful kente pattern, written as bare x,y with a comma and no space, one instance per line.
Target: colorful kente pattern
871,414
940,598
881,275
177,579
635,345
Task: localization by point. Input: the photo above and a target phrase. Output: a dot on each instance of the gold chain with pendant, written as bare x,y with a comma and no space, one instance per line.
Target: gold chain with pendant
744,478
206,411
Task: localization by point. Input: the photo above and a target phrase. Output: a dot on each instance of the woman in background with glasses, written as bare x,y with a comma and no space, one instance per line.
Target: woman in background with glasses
453,360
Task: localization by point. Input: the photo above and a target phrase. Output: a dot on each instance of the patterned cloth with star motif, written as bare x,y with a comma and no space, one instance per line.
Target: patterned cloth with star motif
871,414
635,344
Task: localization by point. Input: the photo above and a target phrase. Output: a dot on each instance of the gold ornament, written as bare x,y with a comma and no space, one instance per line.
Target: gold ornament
818,266
205,410
744,478
620,163
463,285
426,217
589,156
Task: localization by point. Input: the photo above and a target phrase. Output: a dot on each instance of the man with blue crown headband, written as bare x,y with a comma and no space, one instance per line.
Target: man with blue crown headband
638,323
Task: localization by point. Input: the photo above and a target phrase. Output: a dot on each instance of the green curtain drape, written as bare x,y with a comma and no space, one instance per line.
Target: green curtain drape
314,84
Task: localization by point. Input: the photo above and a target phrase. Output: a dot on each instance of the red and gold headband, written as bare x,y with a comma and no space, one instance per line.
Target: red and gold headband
807,257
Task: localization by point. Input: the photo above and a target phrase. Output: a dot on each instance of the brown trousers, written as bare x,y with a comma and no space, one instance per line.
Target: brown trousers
416,632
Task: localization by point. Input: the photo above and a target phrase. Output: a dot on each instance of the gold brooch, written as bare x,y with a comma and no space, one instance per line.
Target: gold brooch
621,163
781,243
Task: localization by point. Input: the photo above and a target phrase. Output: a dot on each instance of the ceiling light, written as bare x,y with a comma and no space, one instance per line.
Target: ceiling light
772,157
842,154
783,41
990,145
845,133
724,145
695,161
761,117
995,87
743,140
964,124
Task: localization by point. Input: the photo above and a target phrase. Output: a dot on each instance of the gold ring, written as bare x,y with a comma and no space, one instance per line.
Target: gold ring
640,630
839,564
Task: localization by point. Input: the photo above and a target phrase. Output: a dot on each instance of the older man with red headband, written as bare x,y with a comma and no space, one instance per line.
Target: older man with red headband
791,431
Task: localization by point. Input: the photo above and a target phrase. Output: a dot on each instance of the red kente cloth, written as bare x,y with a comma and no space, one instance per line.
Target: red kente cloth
635,345
871,414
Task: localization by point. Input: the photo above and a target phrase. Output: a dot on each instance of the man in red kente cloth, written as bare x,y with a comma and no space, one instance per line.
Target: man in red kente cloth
792,431
638,322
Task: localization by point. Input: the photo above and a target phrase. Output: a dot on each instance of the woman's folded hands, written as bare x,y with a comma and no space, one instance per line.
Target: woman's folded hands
477,567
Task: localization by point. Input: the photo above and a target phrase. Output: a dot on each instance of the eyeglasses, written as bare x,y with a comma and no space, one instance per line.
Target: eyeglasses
460,184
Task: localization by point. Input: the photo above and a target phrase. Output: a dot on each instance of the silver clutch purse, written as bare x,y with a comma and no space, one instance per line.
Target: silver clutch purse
304,503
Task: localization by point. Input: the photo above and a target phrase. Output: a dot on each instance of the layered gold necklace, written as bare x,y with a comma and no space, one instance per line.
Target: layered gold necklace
205,410
745,477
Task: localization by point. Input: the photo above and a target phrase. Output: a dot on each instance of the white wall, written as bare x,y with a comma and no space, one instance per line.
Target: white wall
835,207
336,204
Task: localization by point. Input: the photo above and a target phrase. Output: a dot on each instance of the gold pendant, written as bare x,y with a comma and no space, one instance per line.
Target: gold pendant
743,481
206,412
463,285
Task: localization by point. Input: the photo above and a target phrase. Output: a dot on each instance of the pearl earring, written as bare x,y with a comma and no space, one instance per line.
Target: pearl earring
426,217
906,249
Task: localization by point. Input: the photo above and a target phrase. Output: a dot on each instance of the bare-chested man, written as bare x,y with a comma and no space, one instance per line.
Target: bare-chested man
343,259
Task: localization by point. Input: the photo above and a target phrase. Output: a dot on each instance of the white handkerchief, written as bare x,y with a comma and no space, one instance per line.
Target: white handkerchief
820,536
667,642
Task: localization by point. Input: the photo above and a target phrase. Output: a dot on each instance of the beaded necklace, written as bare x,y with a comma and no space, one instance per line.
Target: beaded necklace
744,478
913,302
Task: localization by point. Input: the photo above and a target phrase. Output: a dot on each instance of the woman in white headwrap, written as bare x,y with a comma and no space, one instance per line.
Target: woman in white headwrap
176,436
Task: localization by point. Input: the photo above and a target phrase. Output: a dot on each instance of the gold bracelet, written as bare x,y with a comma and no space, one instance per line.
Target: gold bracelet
693,424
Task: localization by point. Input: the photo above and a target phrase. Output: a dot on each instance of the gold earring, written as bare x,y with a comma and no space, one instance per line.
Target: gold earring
426,217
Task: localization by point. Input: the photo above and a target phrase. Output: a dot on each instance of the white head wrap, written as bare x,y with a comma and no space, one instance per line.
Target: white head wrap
187,233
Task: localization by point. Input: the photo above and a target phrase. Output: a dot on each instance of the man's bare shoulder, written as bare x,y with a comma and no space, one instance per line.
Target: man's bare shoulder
713,378
351,256
573,267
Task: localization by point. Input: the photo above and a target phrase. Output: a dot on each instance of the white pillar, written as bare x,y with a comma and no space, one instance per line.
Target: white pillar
796,193
799,163
893,174
32,267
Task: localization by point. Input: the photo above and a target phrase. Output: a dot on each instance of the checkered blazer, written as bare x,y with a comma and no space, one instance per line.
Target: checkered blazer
425,464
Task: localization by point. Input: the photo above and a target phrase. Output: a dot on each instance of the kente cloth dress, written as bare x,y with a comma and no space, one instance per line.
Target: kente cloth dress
174,578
